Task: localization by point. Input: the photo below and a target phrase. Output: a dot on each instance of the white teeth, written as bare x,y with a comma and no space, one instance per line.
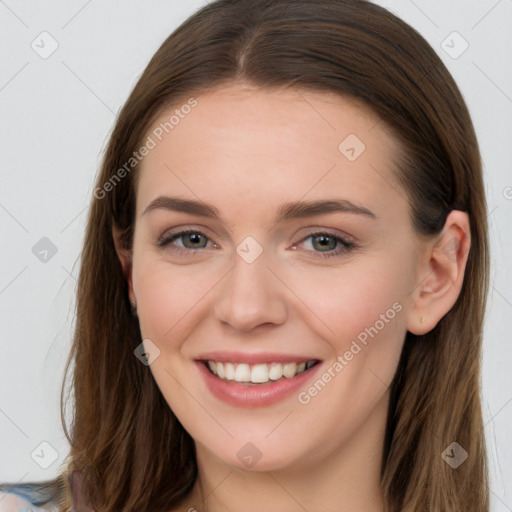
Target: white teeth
242,373
276,371
289,370
258,373
229,369
220,370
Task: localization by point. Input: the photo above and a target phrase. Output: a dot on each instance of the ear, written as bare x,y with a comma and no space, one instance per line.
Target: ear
125,257
441,274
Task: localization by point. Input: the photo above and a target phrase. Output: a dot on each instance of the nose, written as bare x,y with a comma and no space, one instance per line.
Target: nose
251,295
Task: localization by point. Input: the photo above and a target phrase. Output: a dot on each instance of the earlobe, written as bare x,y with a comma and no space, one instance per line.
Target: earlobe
441,274
125,258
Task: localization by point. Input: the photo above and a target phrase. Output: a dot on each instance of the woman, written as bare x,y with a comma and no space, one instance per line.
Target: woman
282,289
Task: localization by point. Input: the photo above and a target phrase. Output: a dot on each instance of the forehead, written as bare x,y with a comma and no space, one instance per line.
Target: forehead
247,143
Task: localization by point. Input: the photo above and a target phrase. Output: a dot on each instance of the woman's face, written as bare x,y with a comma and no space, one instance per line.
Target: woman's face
307,264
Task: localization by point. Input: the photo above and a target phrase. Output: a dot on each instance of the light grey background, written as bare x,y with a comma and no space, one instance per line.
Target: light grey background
55,116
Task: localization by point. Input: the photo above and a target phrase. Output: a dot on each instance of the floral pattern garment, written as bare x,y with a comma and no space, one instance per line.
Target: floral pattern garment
37,497
25,500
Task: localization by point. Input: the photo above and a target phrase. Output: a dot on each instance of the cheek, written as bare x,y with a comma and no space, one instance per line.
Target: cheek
364,300
363,316
339,304
168,296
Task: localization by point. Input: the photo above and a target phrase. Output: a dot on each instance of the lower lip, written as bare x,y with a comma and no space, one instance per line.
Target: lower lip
254,395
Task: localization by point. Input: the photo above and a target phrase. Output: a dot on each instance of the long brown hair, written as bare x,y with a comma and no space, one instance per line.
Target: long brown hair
133,452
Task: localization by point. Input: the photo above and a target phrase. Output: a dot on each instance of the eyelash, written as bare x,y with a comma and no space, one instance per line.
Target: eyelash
346,246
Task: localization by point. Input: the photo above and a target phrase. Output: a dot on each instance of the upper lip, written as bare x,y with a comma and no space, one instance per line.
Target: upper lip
253,358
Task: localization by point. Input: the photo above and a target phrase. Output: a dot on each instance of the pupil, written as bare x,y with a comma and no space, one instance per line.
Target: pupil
325,241
194,237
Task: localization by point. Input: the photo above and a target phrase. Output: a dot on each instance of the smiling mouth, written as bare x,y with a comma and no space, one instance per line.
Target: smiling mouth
262,373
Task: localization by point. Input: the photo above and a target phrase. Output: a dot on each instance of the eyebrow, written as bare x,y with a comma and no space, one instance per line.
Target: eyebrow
287,211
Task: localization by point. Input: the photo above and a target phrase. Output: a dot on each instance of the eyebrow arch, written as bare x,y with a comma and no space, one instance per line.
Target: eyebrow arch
286,211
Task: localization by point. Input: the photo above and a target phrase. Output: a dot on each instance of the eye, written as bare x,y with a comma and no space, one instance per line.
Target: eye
324,244
329,245
191,241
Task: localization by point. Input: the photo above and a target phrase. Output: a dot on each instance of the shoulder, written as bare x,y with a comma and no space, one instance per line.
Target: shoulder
44,496
32,497
10,502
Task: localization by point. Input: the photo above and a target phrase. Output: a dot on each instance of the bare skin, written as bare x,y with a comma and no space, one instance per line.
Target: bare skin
247,151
